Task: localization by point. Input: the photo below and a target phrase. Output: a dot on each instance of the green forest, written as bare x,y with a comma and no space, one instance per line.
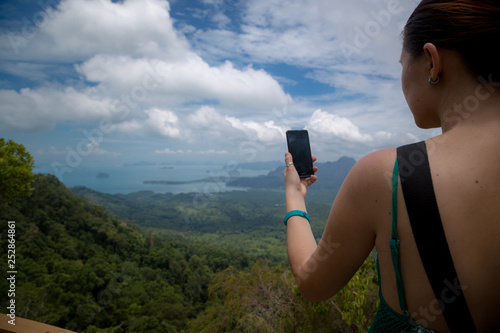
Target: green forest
146,262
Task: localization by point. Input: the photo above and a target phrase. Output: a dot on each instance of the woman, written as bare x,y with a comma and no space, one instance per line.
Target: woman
450,79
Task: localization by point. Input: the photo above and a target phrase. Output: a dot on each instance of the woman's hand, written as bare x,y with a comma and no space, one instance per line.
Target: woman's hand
293,183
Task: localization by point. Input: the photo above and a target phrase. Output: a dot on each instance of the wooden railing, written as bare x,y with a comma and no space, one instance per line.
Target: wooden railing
27,326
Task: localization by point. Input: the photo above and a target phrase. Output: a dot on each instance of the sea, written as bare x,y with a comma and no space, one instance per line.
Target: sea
129,179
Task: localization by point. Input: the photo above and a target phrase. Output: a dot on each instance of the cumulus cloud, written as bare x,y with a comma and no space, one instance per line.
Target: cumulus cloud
267,132
204,126
207,117
163,123
313,33
150,76
17,112
78,29
42,108
135,59
327,124
190,79
208,121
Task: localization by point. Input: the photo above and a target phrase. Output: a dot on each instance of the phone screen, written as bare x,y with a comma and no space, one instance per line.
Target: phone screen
299,147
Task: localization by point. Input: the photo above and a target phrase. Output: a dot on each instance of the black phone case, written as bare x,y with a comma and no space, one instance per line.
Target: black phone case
300,148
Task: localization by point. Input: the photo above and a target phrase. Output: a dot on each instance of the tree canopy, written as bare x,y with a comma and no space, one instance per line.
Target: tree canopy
82,268
16,176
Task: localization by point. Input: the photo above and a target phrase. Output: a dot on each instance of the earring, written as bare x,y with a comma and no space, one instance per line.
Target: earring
433,82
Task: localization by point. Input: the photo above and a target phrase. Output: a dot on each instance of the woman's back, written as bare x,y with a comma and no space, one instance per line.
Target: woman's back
464,167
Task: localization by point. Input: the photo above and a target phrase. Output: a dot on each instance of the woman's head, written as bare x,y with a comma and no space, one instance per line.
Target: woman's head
470,27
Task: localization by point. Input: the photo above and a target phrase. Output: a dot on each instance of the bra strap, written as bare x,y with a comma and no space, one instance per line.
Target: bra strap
394,240
420,199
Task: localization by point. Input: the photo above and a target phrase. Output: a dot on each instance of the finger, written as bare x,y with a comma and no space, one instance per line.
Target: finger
288,160
311,180
306,182
314,159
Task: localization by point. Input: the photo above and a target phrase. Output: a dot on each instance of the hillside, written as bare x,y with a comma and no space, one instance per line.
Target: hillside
82,269
330,176
244,221
247,221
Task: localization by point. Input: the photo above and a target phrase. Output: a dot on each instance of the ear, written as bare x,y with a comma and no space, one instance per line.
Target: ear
434,59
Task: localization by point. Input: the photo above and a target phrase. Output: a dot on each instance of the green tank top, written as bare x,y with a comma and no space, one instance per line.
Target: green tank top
387,320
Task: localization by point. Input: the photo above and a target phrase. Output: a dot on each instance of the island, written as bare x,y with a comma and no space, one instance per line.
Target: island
102,175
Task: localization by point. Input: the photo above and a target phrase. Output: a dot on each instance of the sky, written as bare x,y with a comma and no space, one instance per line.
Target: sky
100,82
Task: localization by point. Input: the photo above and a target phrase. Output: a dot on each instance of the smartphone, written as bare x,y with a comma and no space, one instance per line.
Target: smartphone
299,147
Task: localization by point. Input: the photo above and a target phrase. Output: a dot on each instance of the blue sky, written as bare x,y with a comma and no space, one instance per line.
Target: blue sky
100,82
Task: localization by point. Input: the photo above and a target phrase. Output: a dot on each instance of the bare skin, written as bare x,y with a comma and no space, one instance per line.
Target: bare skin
464,164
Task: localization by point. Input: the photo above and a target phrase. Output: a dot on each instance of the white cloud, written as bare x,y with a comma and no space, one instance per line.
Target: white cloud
99,151
206,118
267,132
79,29
208,124
52,151
17,112
327,124
132,53
42,108
312,33
157,122
247,88
168,151
164,123
204,127
205,89
191,79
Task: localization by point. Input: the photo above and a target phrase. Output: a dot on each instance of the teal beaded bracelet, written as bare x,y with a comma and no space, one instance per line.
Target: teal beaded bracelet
296,213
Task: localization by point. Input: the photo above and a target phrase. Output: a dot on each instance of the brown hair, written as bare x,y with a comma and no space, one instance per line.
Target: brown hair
471,27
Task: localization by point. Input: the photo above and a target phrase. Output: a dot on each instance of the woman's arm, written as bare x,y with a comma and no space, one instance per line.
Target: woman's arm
301,243
364,198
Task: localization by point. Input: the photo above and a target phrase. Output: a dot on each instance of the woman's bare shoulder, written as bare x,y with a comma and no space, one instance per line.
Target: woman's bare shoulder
374,169
366,191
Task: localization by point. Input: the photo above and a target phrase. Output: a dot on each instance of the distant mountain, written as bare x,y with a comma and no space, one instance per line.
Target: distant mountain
330,176
261,165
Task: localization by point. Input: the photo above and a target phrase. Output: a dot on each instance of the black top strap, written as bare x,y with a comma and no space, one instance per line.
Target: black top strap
418,192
